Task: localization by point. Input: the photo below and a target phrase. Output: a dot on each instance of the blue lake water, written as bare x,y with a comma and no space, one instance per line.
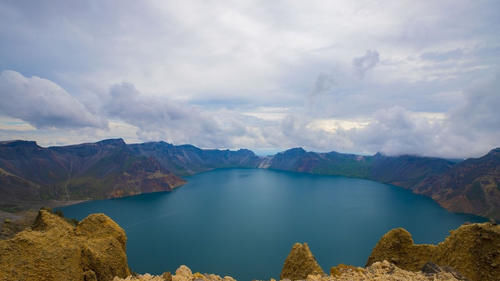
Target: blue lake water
243,222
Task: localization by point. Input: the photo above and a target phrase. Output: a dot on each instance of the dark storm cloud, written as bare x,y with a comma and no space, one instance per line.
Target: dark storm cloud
42,103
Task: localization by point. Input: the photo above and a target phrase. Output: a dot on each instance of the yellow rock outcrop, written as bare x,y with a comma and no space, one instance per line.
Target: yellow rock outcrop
54,249
473,250
300,263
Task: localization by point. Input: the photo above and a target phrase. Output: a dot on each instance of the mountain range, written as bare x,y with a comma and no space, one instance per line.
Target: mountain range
31,175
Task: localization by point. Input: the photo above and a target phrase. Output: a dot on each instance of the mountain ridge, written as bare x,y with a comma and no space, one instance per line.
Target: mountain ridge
112,168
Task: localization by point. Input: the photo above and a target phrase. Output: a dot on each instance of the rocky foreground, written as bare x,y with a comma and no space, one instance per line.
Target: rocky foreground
378,271
55,248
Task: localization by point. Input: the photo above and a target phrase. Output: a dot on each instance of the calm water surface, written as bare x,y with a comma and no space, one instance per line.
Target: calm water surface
243,222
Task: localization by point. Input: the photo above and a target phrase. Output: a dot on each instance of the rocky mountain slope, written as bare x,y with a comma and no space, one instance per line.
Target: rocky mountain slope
187,159
405,171
472,186
106,169
31,175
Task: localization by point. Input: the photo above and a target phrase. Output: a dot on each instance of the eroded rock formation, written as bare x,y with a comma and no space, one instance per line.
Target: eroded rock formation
300,263
54,249
472,250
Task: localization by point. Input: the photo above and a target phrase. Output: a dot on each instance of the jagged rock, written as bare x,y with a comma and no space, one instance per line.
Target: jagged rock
397,247
300,263
473,250
56,250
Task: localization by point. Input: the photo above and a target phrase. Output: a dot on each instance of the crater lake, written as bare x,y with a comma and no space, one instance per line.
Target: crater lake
243,222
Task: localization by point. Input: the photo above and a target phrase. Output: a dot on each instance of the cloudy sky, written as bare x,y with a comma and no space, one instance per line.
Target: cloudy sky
416,77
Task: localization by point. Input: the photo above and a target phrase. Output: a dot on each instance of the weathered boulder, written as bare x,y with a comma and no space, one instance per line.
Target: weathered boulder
183,273
397,247
54,249
473,250
300,263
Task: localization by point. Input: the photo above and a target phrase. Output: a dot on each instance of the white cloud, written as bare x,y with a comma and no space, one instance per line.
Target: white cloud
257,75
42,103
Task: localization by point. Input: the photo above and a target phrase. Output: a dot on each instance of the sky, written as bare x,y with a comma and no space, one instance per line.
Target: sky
396,77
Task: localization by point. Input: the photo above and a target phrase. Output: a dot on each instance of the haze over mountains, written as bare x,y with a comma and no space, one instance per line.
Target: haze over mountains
32,175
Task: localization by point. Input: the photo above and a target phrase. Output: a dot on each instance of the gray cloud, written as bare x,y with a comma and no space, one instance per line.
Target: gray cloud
366,62
42,103
467,130
397,131
324,83
477,119
161,119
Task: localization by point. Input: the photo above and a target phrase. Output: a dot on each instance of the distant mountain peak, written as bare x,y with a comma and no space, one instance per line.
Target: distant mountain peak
118,141
295,150
19,143
495,151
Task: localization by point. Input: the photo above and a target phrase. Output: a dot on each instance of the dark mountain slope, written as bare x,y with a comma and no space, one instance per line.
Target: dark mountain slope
187,159
99,170
471,186
27,160
31,174
15,191
404,170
